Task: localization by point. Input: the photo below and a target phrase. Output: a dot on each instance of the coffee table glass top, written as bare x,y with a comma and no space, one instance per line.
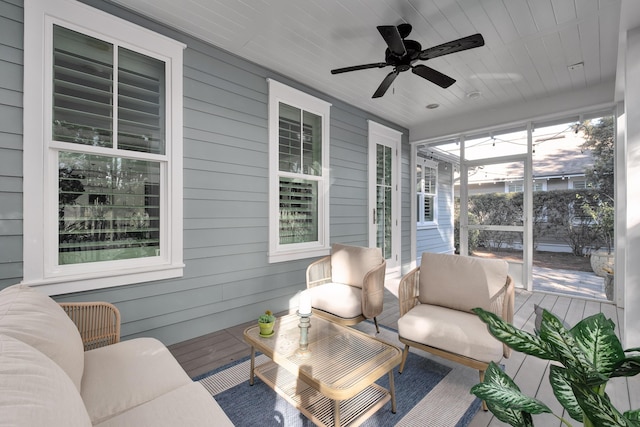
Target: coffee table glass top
340,360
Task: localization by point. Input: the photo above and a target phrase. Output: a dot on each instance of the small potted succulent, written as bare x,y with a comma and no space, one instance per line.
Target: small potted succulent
266,322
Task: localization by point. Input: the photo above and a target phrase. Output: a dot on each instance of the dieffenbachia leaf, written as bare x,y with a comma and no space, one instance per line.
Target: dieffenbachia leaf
629,367
633,417
567,350
561,385
598,408
510,416
515,338
596,337
500,392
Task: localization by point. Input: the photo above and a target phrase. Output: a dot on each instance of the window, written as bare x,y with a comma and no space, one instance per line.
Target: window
518,186
515,187
298,174
578,184
427,188
103,122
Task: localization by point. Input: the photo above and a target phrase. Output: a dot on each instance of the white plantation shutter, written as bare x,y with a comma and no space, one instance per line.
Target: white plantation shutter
427,184
298,174
109,206
300,164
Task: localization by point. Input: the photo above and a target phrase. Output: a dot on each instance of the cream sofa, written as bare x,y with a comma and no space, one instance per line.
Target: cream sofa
47,379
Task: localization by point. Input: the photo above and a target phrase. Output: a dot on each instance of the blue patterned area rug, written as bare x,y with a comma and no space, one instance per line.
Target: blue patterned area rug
428,393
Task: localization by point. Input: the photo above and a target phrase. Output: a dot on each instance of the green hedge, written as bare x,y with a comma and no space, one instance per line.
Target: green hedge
557,215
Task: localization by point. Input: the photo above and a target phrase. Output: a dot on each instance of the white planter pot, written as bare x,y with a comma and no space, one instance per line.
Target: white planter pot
599,260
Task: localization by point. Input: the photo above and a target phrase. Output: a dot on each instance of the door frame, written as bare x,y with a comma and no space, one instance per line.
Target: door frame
380,134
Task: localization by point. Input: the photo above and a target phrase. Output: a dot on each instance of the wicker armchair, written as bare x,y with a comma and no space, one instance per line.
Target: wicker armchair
436,299
347,286
98,322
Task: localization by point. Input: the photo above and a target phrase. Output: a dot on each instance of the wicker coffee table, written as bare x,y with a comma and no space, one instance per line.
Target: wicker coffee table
334,383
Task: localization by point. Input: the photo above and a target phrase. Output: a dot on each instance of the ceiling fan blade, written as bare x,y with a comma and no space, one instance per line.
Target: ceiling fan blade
404,29
433,76
382,89
392,37
453,46
359,67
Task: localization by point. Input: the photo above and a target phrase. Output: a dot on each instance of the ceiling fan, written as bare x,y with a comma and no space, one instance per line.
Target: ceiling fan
401,55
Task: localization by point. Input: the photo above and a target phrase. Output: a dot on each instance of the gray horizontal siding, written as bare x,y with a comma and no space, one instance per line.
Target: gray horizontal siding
11,70
227,279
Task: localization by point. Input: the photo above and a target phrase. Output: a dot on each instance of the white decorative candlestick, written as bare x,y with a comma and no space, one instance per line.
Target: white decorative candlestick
304,303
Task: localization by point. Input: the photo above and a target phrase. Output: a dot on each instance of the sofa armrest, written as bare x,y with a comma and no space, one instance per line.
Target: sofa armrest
319,272
98,322
373,291
408,291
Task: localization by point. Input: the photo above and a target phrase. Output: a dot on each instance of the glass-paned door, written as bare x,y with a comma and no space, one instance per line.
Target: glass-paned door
384,194
384,205
493,221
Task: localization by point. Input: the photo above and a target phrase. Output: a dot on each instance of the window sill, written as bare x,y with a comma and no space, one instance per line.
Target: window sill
427,226
298,254
85,282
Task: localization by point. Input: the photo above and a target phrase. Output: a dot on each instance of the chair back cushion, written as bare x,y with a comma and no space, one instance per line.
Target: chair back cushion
462,282
35,391
349,264
32,317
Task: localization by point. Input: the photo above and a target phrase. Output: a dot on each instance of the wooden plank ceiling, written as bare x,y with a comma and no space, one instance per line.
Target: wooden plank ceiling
530,52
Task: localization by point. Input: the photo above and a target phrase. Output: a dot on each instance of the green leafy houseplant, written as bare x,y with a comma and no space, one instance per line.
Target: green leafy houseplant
587,356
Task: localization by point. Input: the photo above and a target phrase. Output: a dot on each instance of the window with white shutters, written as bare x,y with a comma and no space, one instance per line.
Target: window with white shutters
104,209
299,171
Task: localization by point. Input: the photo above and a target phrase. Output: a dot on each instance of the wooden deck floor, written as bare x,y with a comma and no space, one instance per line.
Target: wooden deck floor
208,352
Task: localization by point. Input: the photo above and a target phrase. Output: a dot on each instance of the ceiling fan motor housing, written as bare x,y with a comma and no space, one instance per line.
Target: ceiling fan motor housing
403,63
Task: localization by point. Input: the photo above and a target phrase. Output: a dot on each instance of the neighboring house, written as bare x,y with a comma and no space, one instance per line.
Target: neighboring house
559,163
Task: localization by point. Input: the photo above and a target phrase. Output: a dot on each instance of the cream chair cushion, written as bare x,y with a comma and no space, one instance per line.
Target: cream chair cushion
342,300
32,317
455,331
349,264
121,376
188,406
461,282
35,391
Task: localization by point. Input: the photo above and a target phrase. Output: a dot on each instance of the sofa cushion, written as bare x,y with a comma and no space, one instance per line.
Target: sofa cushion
337,298
188,406
32,317
461,282
349,264
35,391
121,376
454,331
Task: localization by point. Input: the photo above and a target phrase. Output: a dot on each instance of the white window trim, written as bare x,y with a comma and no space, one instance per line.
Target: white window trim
279,92
430,224
39,240
507,184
